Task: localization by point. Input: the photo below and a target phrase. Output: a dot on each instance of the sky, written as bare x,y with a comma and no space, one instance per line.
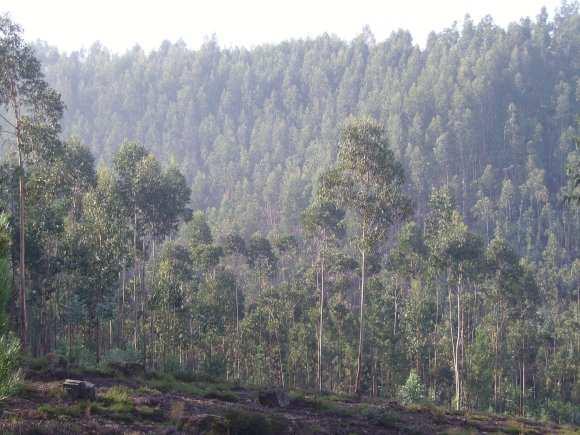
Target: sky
121,24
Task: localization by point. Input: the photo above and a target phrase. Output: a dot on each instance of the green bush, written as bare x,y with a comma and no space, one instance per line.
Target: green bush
9,361
117,394
562,412
413,390
117,355
215,367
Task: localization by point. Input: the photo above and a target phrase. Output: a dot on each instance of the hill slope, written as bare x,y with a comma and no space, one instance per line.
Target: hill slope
480,106
162,405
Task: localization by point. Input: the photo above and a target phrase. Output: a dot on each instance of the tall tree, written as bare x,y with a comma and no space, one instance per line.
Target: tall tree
31,112
457,254
368,182
322,222
94,246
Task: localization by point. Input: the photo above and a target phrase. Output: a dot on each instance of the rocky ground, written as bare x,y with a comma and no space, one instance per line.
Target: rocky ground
155,404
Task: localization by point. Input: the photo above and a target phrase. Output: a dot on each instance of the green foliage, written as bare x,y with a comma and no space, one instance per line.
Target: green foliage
72,410
9,365
367,180
117,395
573,173
5,278
413,390
562,412
120,356
478,293
9,345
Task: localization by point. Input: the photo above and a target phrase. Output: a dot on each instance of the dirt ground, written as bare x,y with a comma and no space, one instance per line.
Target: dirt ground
136,406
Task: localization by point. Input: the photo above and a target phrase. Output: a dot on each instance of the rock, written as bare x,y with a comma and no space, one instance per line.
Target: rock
274,399
204,424
79,390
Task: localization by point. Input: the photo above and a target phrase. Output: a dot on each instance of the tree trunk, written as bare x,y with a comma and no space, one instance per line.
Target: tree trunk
455,350
361,325
22,220
22,269
321,324
237,333
135,274
98,339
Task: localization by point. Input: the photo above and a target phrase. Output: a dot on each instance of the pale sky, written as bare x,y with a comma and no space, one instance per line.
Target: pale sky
120,24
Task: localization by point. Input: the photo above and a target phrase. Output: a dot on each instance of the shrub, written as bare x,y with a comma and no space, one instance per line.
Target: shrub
413,390
117,355
562,412
9,360
117,394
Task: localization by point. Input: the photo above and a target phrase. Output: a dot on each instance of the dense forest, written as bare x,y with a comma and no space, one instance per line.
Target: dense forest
362,217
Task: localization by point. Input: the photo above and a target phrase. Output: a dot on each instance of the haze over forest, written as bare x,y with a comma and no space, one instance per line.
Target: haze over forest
249,198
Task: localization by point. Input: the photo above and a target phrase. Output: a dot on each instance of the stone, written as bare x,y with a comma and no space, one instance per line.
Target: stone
79,390
274,399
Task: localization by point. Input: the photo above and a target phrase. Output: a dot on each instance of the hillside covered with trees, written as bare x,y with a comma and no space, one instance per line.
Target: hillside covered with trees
351,217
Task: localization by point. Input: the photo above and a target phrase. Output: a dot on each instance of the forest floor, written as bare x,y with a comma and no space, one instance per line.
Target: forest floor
163,405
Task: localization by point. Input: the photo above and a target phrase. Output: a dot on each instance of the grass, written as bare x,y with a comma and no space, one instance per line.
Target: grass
207,390
115,403
224,396
177,411
39,428
385,418
129,405
251,423
117,394
145,390
56,411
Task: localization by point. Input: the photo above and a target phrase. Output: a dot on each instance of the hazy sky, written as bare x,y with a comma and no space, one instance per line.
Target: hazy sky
120,24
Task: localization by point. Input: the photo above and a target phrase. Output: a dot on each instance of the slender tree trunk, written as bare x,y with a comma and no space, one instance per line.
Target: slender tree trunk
22,220
361,325
321,324
22,268
454,350
282,379
97,327
237,333
135,274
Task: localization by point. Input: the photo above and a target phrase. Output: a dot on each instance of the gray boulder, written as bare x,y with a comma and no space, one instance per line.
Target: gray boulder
79,390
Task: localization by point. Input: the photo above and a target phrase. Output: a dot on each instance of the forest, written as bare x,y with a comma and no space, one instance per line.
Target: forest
360,217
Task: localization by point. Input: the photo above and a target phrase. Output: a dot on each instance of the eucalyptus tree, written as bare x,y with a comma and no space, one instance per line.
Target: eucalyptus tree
214,313
234,247
513,294
323,224
457,254
261,258
30,113
9,345
94,245
368,181
4,271
54,190
172,290
204,253
573,172
153,201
